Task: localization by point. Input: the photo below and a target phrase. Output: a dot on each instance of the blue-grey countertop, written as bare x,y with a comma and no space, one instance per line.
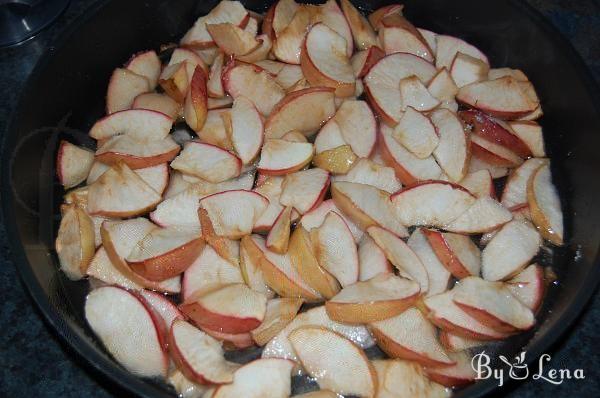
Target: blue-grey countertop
33,362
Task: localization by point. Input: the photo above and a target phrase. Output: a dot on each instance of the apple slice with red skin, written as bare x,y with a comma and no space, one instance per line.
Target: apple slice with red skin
438,275
477,164
232,39
381,297
492,304
410,336
453,151
398,35
414,93
357,126
157,177
443,87
279,235
191,58
75,242
231,341
528,286
162,306
363,60
195,107
466,69
347,371
261,52
503,98
280,156
208,162
362,32
400,378
251,271
448,46
480,183
175,80
329,137
457,375
485,215
199,356
544,205
367,172
324,61
416,132
135,153
454,343
143,352
147,64
270,188
280,312
214,130
73,164
214,84
457,252
123,87
515,190
433,203
283,13
303,110
159,103
315,217
247,129
141,124
531,134
198,37
259,378
304,190
371,259
331,15
288,43
510,250
102,269
376,16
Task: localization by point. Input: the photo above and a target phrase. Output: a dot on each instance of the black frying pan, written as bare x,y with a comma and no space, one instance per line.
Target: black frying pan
65,92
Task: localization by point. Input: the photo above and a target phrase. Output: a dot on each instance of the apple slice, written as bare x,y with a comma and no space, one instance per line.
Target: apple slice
141,124
315,217
329,137
544,204
414,94
147,64
283,13
162,306
445,314
357,126
347,372
510,250
376,16
214,84
304,190
362,61
181,210
123,87
457,375
515,190
232,309
336,161
259,378
303,110
219,103
430,37
226,11
479,183
280,312
438,275
398,35
280,156
75,243
531,134
261,52
366,206
331,15
434,203
368,172
199,356
454,343
247,129
452,152
270,189
214,131
175,80
195,108
449,46
120,192
381,297
279,235
186,387
410,336
255,84
383,80
324,61
142,353
528,286
73,164
191,58
232,39
249,265
457,252
362,32
102,269
401,256
399,378
485,215
294,136
208,162
466,69
502,98
477,164
371,260
288,44
492,304
443,87
135,153
157,102
416,132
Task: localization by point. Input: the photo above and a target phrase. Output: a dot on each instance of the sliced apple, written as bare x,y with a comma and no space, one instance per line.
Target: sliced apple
366,171
438,275
304,190
449,46
443,87
457,252
545,207
191,58
73,164
137,154
249,265
294,136
270,188
399,378
347,372
515,190
259,378
141,124
283,13
357,126
324,61
247,129
477,164
531,134
454,343
329,137
164,307
219,103
280,156
287,46
147,64
208,162
75,243
416,132
279,235
214,131
157,102
414,94
261,52
336,161
452,152
485,215
383,80
362,32
362,61
528,286
181,210
175,80
186,387
102,269
398,35
492,304
123,87
143,352
376,16
457,375
467,69
303,110
479,183
280,312
195,108
315,217
232,39
371,259
214,84
157,177
510,250
410,336
199,356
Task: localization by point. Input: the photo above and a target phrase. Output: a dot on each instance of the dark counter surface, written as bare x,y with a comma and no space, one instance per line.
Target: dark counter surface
34,363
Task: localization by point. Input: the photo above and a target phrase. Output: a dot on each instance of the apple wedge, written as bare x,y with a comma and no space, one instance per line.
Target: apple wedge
528,286
485,215
366,205
143,352
175,80
261,52
457,375
401,256
515,190
191,58
362,32
331,15
186,387
412,337
545,207
135,153
399,378
280,156
383,80
414,94
335,249
324,61
456,252
214,84
510,250
120,192
433,203
443,87
329,137
315,217
141,124
479,183
219,103
283,13
381,297
255,84
447,47
362,61
199,356
270,188
280,312
123,87
492,304
75,242
73,164
454,343
157,177
234,213
367,172
162,306
246,129
159,103
249,266
303,110
232,39
279,235
147,64
347,372
195,107
438,274
531,134
336,161
503,98
304,190
376,16
466,69
398,35
102,269
214,130
417,133
357,126
208,162
259,378
371,260
452,153
288,43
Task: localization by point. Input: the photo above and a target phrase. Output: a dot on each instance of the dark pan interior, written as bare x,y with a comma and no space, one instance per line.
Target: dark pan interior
65,94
